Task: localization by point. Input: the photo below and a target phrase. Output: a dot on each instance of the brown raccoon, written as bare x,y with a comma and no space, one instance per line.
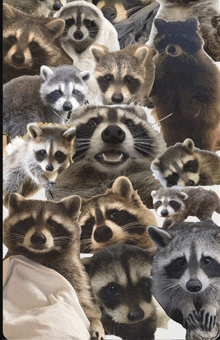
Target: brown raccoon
125,76
48,233
185,165
117,216
30,42
187,85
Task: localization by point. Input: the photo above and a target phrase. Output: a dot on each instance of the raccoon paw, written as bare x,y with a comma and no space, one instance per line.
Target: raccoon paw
192,320
207,318
97,330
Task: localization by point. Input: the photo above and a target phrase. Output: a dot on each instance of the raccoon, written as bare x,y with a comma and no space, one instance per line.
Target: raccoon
193,95
48,233
206,11
117,216
34,160
177,204
118,10
29,42
50,97
111,141
120,277
125,76
186,276
185,165
37,7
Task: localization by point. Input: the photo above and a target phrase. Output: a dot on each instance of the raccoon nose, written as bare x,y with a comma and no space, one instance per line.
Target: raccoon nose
171,49
18,58
164,212
113,134
191,183
109,12
49,168
78,35
117,98
103,234
194,285
38,238
135,315
67,106
56,7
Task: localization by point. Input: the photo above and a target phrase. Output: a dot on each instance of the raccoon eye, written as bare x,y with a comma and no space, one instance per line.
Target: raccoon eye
174,204
92,122
40,155
76,91
129,79
145,283
108,78
34,45
88,23
112,290
56,94
207,260
157,204
70,22
115,214
11,39
129,123
60,156
191,166
180,263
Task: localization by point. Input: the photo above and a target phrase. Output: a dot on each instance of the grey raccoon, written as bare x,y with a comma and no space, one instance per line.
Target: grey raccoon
186,276
111,141
185,165
48,233
177,204
34,160
124,76
120,277
50,97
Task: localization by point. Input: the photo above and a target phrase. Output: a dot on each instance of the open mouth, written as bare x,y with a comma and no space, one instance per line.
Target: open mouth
111,157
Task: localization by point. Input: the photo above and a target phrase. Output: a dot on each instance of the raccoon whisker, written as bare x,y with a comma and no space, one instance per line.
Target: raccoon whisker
21,231
187,56
139,149
80,156
62,118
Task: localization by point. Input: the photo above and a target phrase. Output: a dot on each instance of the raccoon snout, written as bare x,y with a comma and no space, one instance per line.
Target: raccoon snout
194,285
78,35
135,315
113,134
57,6
109,12
38,238
49,168
171,49
103,234
18,58
117,98
67,106
164,212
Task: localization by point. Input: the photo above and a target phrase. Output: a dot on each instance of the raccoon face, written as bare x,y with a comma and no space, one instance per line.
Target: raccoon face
168,206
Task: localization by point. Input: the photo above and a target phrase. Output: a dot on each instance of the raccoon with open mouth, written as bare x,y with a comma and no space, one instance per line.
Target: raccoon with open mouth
111,141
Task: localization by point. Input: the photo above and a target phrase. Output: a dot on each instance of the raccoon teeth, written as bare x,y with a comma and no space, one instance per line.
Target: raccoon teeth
112,157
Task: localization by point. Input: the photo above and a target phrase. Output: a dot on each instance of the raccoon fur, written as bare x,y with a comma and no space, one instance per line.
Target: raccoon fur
111,141
185,165
48,233
124,76
177,204
34,160
120,277
118,10
37,7
117,216
186,276
206,11
187,84
29,42
47,98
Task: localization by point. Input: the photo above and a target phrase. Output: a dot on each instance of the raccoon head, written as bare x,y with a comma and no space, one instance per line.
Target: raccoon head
178,165
177,38
53,5
168,202
112,138
83,22
37,227
52,145
64,87
117,216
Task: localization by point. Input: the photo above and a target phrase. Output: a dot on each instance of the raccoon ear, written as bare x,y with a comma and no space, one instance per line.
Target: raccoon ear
72,205
160,24
155,164
141,54
98,51
192,24
85,75
122,186
183,195
70,133
14,202
189,145
34,130
9,12
56,27
153,193
160,237
46,72
86,261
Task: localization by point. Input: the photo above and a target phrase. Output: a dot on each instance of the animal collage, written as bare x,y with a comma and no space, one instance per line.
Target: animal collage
111,169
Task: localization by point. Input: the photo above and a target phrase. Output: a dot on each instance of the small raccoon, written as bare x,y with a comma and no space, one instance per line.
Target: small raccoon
124,76
48,233
34,160
120,277
111,141
177,204
187,84
29,42
118,10
37,7
47,98
186,276
185,165
117,216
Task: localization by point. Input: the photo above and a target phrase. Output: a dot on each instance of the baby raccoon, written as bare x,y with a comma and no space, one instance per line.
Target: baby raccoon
29,42
117,216
124,76
177,204
34,160
48,233
50,97
185,165
186,276
120,277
